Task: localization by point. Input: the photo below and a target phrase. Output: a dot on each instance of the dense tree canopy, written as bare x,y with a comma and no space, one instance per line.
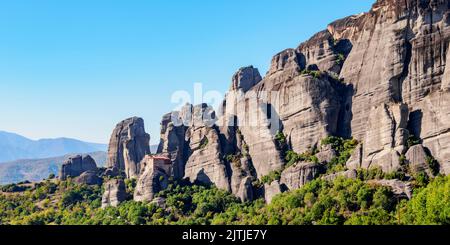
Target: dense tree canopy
341,202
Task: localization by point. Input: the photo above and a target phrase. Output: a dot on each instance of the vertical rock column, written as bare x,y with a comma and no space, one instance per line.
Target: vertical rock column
129,144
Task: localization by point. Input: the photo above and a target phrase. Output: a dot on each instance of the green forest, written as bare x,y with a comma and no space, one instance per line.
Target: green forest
320,202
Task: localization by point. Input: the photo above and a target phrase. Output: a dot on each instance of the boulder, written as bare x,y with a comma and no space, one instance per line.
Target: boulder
77,165
349,174
300,174
128,146
326,154
417,160
399,188
89,178
115,193
355,160
245,192
271,190
387,160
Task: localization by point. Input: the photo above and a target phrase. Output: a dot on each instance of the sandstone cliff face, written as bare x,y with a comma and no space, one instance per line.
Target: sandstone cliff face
245,79
398,187
297,176
155,178
129,144
192,139
77,165
271,190
174,143
115,193
399,55
205,164
381,77
89,178
417,160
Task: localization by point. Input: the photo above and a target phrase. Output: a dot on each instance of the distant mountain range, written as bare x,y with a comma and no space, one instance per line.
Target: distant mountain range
38,169
14,147
33,160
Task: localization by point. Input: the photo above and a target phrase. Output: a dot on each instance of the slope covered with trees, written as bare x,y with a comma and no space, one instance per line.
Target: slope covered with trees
340,202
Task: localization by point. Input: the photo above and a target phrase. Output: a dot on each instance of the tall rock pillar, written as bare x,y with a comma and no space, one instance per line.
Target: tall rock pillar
129,144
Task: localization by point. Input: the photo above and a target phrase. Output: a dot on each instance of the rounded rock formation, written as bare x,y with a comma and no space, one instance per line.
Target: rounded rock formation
128,146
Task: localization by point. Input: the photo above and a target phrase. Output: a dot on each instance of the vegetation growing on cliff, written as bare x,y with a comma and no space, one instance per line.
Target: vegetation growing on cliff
344,201
343,148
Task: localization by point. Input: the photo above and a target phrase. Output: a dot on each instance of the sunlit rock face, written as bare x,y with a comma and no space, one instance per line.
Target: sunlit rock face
115,193
129,144
154,178
76,166
380,77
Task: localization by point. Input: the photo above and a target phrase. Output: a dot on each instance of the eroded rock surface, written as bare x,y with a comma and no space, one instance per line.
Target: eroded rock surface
89,178
77,165
115,193
380,77
129,144
349,174
155,178
417,160
245,191
271,190
398,187
298,175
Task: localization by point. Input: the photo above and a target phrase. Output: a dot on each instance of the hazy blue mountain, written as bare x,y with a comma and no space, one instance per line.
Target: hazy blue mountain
38,169
15,147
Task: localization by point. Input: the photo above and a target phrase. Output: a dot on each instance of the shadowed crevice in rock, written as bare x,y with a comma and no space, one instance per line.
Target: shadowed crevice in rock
415,123
378,77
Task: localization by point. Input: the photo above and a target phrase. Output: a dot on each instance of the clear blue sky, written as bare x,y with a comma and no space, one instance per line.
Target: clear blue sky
75,68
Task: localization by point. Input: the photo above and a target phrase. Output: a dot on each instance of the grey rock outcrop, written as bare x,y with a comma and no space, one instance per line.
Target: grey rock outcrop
245,79
379,141
326,154
111,172
173,142
356,158
115,193
77,165
431,123
389,64
271,190
298,175
206,165
380,77
417,160
242,176
194,141
155,178
398,187
245,191
129,144
89,178
349,174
